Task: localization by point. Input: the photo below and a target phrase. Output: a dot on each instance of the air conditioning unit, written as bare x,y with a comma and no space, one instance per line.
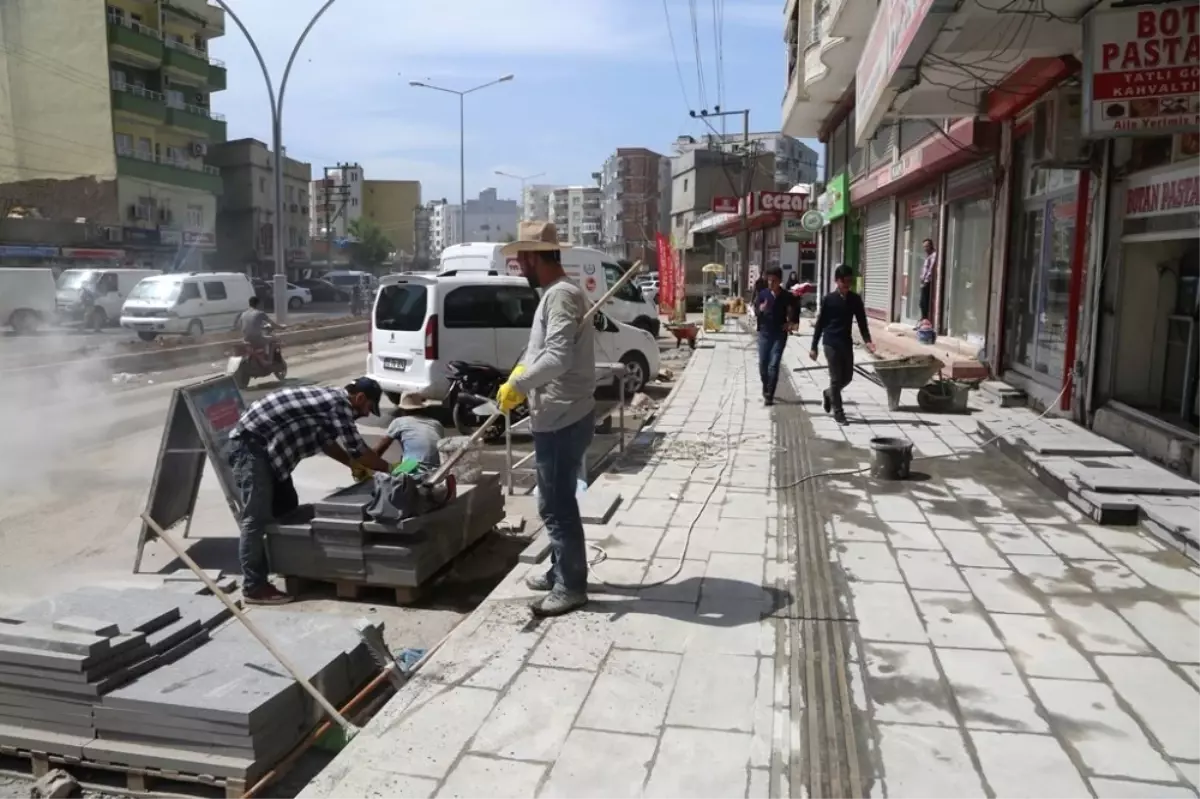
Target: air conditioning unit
1056,139
198,149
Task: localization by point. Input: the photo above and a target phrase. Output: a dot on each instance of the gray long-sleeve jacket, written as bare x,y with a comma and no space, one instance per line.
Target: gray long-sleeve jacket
560,361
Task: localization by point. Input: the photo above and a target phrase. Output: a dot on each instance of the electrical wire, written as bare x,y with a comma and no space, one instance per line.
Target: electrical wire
702,87
675,56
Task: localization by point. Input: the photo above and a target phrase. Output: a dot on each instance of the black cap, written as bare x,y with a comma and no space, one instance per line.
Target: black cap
365,385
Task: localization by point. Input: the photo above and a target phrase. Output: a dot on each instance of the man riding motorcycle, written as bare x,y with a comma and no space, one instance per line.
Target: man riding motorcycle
255,327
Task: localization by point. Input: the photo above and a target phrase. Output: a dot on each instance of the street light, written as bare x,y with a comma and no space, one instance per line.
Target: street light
523,180
280,289
462,161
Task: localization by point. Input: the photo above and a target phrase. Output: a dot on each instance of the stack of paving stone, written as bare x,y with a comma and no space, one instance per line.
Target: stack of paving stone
229,709
59,656
339,545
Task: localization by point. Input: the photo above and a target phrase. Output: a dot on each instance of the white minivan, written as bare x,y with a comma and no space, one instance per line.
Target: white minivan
591,270
189,303
109,288
26,298
420,323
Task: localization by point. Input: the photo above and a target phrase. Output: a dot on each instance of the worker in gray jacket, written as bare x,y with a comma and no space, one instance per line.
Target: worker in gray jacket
558,376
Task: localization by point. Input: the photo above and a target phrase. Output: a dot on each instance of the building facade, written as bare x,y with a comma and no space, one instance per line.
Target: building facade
795,162
577,213
393,206
114,136
489,218
535,202
336,200
445,227
634,201
246,208
422,237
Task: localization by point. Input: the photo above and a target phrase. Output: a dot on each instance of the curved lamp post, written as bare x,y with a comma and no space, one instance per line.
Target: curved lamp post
462,169
523,181
280,288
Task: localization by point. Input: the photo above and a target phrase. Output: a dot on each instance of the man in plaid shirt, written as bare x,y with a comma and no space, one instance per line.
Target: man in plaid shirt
274,435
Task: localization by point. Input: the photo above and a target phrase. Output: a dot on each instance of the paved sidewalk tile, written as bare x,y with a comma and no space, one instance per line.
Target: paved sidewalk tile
962,634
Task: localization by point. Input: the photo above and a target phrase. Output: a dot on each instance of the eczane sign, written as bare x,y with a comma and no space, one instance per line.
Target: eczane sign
1141,70
782,202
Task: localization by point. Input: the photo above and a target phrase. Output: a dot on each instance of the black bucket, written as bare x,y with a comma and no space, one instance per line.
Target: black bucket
893,458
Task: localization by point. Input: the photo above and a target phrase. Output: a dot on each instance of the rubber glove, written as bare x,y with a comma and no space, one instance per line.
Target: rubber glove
509,397
359,472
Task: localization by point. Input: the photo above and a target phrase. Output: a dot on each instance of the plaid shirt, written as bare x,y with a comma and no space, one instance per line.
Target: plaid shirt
294,423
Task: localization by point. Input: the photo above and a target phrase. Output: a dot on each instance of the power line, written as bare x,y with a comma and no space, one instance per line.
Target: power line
700,83
675,56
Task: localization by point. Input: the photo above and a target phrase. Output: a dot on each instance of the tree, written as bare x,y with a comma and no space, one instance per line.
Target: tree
508,237
369,247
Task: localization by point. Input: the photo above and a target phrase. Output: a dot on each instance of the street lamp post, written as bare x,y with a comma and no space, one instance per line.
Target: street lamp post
462,161
523,181
280,288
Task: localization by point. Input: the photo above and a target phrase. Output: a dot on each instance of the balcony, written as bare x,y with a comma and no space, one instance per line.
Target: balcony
185,60
140,102
829,61
197,120
216,75
134,41
145,166
850,19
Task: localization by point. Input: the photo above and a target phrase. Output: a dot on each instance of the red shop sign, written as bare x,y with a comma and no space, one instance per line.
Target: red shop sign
1173,192
782,201
1141,70
724,205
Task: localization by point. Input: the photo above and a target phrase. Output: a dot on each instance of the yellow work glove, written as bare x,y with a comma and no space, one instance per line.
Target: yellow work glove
508,397
359,472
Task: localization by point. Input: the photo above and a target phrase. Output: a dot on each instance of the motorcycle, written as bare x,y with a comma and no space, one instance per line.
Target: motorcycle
474,386
252,362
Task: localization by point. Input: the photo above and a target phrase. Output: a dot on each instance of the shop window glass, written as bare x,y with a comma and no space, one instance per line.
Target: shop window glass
967,290
913,130
879,149
1151,152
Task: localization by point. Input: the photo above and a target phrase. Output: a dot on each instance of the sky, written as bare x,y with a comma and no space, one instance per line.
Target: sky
588,78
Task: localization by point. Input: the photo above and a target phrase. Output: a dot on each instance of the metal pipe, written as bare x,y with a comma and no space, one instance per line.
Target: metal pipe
508,450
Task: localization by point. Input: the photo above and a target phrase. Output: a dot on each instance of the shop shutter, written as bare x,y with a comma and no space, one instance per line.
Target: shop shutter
879,258
970,181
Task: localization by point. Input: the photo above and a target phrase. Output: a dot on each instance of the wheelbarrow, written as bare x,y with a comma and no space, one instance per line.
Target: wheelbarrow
684,332
901,373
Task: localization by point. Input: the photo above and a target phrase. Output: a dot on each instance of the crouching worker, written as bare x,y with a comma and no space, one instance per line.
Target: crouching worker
416,433
271,438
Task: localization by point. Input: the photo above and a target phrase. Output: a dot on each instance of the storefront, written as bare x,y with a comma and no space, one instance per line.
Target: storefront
1039,274
833,204
966,257
919,221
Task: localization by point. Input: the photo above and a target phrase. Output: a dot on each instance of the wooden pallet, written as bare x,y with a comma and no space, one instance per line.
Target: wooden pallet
137,779
353,590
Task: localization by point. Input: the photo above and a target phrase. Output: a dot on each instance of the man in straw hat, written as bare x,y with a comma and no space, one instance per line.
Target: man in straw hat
558,374
417,434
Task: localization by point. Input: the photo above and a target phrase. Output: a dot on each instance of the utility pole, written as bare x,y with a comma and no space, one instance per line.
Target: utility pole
749,162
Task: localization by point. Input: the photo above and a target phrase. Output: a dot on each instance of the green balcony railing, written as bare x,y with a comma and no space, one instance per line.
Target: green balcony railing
134,38
185,59
198,120
145,166
216,76
137,100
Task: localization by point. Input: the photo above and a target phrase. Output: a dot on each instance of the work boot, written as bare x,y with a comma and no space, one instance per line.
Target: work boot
558,603
826,400
840,417
539,582
266,595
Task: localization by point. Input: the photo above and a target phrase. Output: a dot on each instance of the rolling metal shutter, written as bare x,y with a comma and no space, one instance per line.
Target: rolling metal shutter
878,258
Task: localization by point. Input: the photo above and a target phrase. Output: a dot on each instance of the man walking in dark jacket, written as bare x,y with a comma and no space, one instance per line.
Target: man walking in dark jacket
778,312
840,309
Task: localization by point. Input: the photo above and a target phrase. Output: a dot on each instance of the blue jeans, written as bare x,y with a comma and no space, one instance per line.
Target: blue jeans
256,484
559,458
770,353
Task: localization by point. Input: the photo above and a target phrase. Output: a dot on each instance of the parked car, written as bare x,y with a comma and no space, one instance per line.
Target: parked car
324,291
188,303
26,298
422,323
298,297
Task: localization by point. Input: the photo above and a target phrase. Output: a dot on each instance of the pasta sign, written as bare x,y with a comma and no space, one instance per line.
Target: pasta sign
1142,70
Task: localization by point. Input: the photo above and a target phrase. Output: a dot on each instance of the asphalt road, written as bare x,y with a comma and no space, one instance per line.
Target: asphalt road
67,342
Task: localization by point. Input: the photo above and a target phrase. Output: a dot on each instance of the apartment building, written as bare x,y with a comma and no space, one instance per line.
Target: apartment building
392,205
246,207
444,227
795,162
535,201
115,132
578,214
635,186
335,201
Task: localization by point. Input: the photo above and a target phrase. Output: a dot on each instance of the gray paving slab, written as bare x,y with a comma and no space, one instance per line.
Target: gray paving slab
117,718
132,753
83,624
81,728
80,716
597,505
65,744
132,609
187,575
1136,481
1078,444
46,638
58,703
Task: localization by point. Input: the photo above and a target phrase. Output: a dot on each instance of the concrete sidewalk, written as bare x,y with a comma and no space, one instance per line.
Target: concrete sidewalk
962,634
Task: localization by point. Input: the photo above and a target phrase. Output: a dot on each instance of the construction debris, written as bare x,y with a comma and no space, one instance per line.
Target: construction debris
54,784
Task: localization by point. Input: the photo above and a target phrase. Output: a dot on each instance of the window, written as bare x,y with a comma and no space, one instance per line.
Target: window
515,307
354,177
107,283
117,76
175,155
629,292
175,98
262,185
469,307
214,290
195,216
289,193
685,184
144,147
190,291
353,201
124,143
401,307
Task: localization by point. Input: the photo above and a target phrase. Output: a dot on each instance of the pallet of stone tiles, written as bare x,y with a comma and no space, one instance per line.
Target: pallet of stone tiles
36,763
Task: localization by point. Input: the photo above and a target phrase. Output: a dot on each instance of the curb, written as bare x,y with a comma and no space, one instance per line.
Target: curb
102,368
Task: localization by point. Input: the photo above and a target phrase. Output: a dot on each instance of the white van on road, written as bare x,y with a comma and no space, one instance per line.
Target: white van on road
420,323
592,270
188,303
109,287
26,298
